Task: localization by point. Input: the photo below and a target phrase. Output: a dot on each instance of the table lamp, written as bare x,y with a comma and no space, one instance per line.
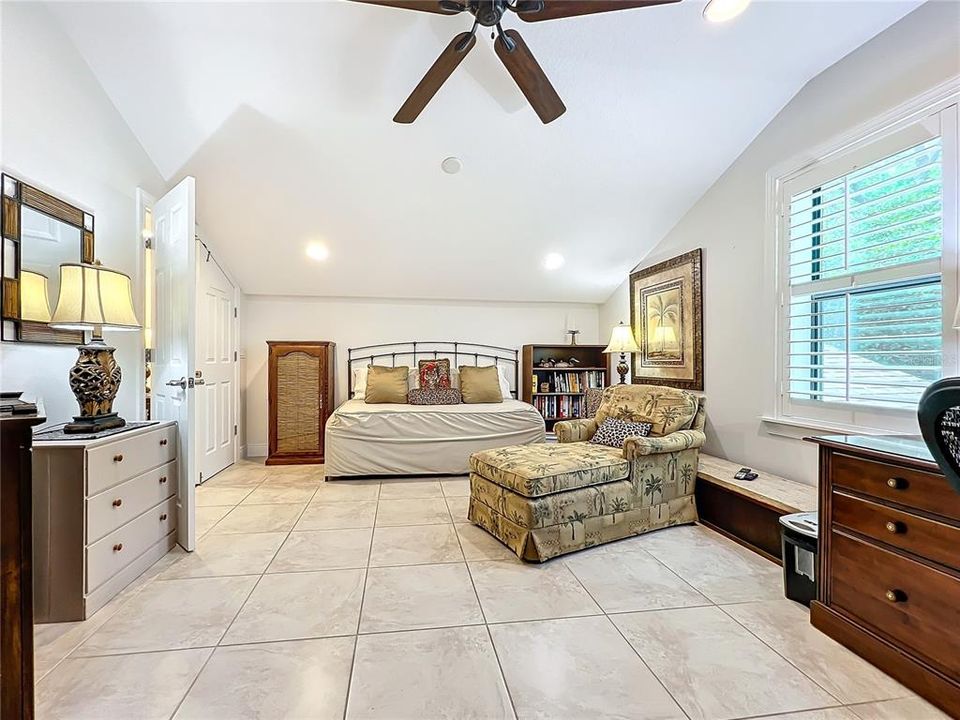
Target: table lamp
623,342
94,298
34,301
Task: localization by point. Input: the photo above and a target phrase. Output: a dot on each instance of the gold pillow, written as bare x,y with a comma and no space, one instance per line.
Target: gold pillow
480,384
386,384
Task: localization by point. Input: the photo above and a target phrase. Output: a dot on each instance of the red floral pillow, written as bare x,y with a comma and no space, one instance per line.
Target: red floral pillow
434,374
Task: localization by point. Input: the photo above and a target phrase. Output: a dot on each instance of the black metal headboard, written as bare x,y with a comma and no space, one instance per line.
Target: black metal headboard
459,353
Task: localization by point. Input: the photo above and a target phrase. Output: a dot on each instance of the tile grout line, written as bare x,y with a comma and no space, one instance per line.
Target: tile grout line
240,608
363,596
486,625
225,631
780,655
629,644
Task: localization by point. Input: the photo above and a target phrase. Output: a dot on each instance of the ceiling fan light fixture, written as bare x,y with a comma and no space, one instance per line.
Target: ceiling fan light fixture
719,11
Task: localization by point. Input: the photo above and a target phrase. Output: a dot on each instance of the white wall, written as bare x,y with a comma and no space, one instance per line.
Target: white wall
61,133
355,322
910,57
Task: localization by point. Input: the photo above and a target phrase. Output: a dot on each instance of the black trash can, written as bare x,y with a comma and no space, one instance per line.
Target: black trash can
798,542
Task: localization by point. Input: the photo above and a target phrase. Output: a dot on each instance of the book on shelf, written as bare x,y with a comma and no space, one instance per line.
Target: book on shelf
559,407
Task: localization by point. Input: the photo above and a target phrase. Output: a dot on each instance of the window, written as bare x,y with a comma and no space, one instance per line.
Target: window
867,278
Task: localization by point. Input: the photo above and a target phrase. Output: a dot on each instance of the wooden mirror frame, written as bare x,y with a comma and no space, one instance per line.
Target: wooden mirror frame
16,195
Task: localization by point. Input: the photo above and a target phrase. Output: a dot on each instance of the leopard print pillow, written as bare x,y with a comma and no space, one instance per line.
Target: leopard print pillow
434,396
614,432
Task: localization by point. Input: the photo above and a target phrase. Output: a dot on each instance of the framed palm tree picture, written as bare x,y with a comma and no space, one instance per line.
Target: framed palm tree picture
666,314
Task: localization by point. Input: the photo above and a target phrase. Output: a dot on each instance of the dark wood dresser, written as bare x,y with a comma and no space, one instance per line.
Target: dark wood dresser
890,561
300,399
16,566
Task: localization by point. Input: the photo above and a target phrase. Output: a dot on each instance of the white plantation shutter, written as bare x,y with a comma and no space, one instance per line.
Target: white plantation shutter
861,270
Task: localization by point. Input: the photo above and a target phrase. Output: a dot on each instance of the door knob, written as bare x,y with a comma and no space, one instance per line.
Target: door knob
181,383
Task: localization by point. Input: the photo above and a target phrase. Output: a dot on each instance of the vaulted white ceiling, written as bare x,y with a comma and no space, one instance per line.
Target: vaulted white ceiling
282,111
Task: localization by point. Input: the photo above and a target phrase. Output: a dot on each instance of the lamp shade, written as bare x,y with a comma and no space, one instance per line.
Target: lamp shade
622,340
34,301
91,297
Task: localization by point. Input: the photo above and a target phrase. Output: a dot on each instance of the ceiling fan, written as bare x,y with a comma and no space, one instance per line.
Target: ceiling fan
509,46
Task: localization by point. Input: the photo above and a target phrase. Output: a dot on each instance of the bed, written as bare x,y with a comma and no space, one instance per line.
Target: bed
363,440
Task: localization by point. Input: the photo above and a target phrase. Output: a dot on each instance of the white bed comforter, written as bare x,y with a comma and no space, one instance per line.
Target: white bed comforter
387,439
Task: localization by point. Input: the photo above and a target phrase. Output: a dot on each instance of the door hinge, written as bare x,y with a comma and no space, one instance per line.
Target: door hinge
148,355
234,429
148,243
234,312
201,477
234,355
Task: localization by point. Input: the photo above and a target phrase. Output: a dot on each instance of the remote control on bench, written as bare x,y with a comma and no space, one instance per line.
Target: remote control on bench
745,474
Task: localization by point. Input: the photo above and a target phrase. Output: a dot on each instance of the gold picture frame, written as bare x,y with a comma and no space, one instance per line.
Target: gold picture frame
666,314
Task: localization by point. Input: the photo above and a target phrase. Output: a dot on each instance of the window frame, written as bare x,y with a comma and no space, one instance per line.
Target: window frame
925,117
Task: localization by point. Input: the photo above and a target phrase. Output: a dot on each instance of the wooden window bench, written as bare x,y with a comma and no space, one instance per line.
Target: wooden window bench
748,511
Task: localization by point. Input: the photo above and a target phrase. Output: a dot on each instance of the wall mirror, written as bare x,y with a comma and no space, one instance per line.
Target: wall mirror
40,232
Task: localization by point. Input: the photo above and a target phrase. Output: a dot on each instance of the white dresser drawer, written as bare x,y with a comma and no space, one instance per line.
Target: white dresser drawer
121,504
107,557
111,464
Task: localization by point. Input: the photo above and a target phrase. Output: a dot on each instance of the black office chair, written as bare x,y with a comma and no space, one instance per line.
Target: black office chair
939,415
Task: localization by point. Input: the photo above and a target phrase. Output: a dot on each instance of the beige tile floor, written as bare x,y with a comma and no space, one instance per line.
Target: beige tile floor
372,599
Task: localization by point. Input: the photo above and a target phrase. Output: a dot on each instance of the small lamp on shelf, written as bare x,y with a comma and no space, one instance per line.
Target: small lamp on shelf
94,298
623,342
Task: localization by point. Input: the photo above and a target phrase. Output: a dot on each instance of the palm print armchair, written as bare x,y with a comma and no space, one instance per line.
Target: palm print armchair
544,500
672,452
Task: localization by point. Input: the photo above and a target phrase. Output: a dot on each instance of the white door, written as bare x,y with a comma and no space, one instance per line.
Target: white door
174,217
214,367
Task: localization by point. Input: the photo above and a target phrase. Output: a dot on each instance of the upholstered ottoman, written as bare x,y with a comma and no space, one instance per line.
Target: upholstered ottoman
546,499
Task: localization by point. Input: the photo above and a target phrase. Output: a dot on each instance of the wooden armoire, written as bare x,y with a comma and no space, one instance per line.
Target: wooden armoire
300,399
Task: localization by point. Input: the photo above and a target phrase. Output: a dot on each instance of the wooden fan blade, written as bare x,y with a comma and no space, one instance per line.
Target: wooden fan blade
553,9
529,76
436,76
432,6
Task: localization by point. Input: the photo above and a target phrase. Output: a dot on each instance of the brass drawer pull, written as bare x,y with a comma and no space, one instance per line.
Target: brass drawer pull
118,502
894,527
896,483
896,596
163,517
118,458
163,479
118,547
163,442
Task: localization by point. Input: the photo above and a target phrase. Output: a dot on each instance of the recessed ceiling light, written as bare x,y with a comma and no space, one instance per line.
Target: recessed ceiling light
722,10
451,165
553,261
316,251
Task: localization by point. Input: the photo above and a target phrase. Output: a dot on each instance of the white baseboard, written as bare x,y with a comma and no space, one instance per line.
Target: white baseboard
256,450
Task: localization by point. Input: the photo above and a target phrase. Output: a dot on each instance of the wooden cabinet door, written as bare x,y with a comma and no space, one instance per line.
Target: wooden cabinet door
300,400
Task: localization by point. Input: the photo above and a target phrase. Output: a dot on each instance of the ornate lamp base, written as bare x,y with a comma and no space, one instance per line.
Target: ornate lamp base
94,424
95,379
623,368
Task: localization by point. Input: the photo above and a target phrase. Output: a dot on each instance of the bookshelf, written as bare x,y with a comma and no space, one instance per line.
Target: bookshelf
567,385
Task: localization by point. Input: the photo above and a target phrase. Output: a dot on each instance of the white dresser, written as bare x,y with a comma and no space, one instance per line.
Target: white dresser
104,510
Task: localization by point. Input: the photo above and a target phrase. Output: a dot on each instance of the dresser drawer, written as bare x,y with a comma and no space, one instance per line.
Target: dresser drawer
909,602
109,465
929,539
107,557
913,488
121,504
